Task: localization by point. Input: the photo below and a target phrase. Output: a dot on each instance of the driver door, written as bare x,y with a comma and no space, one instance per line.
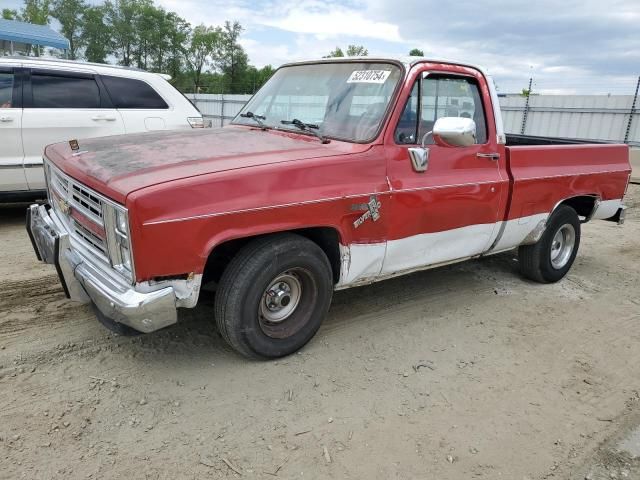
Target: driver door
451,210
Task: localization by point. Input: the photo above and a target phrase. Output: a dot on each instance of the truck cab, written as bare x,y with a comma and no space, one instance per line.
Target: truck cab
337,173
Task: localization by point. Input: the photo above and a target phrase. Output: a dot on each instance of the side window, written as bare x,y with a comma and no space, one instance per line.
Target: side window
406,131
6,89
446,96
60,91
131,93
440,96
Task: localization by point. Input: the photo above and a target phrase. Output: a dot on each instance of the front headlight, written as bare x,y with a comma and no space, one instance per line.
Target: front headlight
122,223
118,240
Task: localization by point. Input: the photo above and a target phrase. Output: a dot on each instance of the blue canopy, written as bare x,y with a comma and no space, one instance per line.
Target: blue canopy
30,34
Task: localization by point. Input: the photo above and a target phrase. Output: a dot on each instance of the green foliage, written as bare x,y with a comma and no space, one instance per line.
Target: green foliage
231,57
70,14
416,52
35,11
9,14
203,46
352,51
95,35
525,92
335,53
357,51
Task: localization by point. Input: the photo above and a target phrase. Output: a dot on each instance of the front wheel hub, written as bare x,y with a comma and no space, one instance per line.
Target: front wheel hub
281,298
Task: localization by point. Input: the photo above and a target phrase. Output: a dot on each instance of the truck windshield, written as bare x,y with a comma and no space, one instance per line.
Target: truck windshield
346,101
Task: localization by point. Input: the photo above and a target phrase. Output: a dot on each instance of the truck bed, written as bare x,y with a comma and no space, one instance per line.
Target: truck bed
515,140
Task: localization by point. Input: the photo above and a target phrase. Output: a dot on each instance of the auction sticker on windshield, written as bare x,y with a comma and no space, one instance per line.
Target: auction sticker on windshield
369,76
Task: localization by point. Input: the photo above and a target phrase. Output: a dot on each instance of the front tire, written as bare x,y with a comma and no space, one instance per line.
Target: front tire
550,259
273,296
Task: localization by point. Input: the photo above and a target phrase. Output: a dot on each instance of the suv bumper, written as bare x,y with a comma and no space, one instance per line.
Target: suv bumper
85,282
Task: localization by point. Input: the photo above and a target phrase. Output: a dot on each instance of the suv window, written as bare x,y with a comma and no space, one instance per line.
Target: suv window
440,96
6,90
131,93
64,91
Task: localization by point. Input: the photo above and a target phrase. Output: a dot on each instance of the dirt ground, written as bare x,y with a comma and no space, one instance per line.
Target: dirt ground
462,372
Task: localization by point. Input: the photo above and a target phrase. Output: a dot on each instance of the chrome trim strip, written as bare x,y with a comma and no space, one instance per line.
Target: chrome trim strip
310,202
269,207
453,185
386,192
569,175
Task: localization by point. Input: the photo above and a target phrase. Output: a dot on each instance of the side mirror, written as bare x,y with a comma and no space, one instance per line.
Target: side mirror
454,132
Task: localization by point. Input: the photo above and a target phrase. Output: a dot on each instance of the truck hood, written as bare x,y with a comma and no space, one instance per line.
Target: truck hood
118,165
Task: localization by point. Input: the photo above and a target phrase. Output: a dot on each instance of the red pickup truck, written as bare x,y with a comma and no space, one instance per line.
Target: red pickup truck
337,173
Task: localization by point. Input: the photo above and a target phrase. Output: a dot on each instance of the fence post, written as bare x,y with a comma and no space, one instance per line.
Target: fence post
631,113
222,110
526,108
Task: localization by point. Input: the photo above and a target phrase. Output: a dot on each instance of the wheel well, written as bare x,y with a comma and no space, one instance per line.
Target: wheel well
326,238
584,205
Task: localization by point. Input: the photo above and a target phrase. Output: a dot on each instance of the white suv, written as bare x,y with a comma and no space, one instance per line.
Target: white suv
44,101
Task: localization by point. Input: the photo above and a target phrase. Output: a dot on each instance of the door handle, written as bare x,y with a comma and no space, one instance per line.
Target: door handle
6,119
491,156
104,118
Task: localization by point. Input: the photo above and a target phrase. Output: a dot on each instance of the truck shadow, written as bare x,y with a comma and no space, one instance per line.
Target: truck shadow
437,291
13,213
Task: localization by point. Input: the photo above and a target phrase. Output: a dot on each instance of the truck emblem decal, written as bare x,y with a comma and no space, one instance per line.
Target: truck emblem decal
372,210
64,206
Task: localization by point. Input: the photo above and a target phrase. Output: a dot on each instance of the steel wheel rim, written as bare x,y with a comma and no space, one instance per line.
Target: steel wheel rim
562,246
281,297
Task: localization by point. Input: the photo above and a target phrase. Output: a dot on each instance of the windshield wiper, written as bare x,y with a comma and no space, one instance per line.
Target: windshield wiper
256,118
306,127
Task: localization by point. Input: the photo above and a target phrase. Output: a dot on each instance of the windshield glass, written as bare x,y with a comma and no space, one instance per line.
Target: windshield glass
344,100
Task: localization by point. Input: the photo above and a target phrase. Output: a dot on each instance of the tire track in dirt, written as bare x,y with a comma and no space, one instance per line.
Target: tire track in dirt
29,292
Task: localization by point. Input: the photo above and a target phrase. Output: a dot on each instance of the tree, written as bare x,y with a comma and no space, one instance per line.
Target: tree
416,52
255,77
335,53
70,14
352,51
231,57
525,92
95,36
9,14
122,18
35,11
177,37
357,51
204,42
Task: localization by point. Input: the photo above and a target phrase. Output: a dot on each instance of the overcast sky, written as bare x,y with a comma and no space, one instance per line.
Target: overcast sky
569,46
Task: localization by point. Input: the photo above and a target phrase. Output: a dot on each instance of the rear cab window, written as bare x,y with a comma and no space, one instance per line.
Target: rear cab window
64,90
130,93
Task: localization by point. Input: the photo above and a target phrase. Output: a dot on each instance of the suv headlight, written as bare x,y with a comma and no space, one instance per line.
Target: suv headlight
118,240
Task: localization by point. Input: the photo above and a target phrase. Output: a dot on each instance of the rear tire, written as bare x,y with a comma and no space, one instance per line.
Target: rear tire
273,296
550,259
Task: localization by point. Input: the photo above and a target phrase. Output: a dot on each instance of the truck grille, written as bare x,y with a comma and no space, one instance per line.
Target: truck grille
89,238
67,196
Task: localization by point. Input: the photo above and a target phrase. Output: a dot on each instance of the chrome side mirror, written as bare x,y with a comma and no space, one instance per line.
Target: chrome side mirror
454,132
420,155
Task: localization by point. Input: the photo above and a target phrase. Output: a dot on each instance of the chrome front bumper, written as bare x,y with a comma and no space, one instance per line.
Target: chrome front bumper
85,282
